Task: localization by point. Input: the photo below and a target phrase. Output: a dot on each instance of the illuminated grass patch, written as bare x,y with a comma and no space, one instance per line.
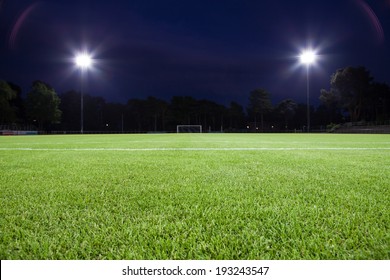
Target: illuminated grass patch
197,196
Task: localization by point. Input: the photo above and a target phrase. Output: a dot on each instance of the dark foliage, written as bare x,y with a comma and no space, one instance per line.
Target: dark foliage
353,96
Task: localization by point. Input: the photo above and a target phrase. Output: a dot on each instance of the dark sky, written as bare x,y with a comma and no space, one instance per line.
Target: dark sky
214,49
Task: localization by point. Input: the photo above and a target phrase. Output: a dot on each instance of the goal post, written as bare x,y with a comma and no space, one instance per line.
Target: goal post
188,128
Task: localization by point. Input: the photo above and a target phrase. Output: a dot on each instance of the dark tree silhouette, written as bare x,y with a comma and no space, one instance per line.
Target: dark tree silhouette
377,104
331,105
352,93
259,105
42,105
236,117
350,87
70,107
7,111
184,110
287,109
156,109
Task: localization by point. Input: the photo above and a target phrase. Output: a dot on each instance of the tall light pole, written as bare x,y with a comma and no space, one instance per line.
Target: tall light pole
83,61
308,57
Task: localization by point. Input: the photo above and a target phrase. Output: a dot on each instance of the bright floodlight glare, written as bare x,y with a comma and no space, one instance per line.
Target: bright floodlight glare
308,57
83,60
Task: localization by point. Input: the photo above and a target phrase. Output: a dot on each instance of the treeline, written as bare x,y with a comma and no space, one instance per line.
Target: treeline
353,96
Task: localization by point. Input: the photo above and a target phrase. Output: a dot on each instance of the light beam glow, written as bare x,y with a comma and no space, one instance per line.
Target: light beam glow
83,60
308,57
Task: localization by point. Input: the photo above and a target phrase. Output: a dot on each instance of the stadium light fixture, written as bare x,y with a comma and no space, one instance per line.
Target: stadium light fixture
308,57
83,61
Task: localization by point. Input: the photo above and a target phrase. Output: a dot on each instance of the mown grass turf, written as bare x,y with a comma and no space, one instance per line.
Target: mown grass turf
138,197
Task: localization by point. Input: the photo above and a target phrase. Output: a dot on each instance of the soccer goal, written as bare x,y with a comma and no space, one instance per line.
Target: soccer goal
188,128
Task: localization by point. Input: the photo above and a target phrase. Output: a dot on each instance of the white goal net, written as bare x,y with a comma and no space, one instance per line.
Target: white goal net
188,128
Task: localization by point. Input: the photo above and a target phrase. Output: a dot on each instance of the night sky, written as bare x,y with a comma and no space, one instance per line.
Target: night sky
214,49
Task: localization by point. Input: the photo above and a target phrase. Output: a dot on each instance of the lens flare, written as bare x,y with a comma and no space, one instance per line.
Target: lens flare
373,20
19,22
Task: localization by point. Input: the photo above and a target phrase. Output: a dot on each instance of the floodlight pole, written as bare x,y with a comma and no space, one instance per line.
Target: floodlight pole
308,57
82,101
83,61
308,96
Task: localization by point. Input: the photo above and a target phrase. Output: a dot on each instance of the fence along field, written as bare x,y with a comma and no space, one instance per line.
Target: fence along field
197,196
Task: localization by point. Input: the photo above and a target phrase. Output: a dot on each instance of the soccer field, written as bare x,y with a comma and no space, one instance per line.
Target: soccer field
195,196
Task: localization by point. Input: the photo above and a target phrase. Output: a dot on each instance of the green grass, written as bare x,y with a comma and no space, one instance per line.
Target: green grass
192,196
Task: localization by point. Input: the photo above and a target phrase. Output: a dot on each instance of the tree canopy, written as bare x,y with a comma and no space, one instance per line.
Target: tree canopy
353,96
42,104
7,111
351,89
259,104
